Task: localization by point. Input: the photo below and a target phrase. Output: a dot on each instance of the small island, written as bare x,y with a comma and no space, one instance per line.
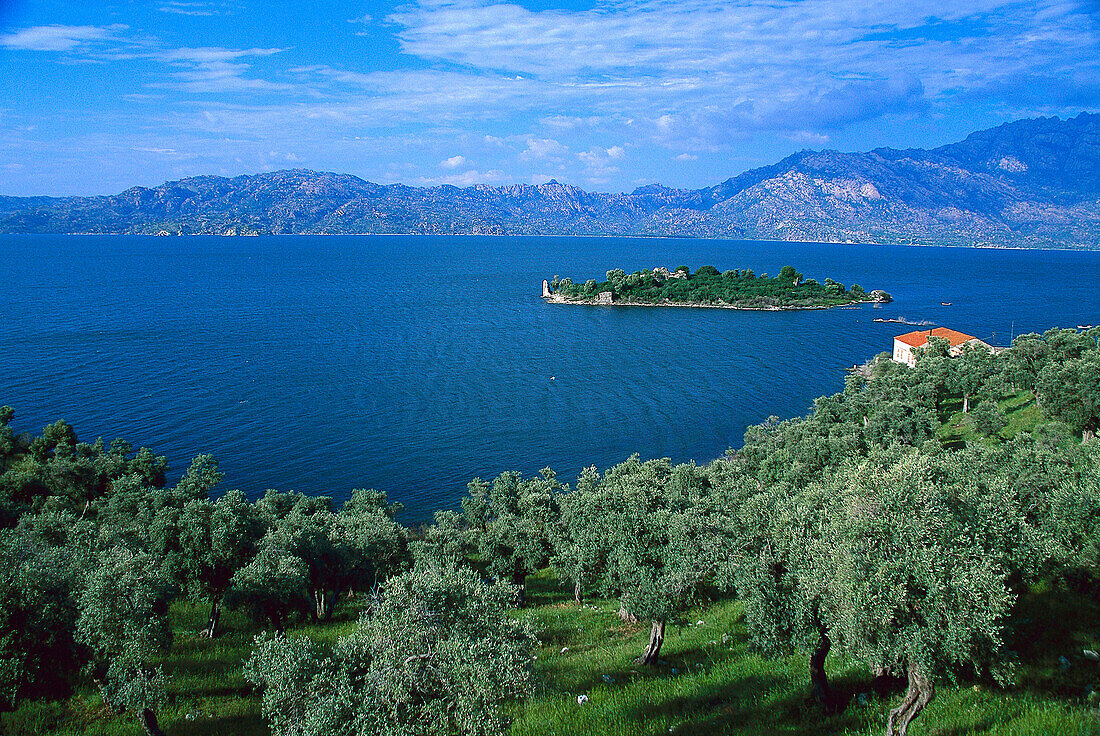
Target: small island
708,287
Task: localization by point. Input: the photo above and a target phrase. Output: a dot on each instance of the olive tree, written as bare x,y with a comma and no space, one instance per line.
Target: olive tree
217,538
661,530
437,654
448,542
272,586
971,372
513,519
123,623
39,581
917,571
308,536
370,546
784,598
580,552
1070,392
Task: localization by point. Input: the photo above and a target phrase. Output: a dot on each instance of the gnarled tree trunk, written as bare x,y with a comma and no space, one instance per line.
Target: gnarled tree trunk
278,623
919,694
330,603
149,722
215,615
626,615
519,579
578,593
656,639
819,679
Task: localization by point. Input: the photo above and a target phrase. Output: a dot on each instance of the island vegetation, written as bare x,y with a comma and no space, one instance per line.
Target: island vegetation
885,557
709,287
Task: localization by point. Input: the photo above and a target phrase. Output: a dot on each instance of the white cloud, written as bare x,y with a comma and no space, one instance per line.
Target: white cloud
808,138
178,7
543,148
58,37
453,162
466,178
687,157
209,70
705,70
597,162
570,122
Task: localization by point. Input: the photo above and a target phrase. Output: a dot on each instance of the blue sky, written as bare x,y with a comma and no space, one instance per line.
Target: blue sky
100,96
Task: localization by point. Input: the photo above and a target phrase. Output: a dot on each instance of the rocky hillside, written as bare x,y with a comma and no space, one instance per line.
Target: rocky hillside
1030,183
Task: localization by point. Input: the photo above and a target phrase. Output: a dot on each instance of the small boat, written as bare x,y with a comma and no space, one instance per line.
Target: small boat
1085,327
946,304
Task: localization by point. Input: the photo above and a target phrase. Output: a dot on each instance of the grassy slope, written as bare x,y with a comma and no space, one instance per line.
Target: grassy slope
1019,408
710,682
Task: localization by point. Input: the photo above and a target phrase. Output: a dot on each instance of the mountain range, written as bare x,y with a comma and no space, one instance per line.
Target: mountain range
1031,183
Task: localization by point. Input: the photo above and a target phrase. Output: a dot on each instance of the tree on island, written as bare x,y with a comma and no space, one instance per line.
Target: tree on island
789,275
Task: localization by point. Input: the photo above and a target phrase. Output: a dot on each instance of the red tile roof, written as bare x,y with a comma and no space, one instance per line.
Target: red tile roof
920,337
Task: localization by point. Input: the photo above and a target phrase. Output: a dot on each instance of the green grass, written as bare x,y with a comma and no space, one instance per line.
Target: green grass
709,681
958,429
712,683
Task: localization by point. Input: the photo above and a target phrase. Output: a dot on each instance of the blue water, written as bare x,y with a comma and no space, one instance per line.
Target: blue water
413,364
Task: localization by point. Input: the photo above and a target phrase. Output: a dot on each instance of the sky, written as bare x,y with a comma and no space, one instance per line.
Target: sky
99,96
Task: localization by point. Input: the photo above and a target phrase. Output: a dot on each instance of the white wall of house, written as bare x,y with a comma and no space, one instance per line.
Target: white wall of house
903,353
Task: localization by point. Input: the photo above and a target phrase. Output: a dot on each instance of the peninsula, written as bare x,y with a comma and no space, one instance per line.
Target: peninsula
708,287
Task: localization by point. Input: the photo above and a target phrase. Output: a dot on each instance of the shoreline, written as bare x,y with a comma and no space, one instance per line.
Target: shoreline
700,305
1085,247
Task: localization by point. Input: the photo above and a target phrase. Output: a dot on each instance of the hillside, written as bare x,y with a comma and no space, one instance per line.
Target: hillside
1027,183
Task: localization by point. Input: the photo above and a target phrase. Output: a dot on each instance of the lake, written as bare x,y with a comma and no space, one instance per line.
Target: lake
413,364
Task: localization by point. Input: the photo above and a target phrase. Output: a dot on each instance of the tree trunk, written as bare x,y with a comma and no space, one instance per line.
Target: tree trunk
919,694
215,616
626,615
277,623
318,604
330,605
149,722
885,680
656,639
966,403
578,593
819,679
519,579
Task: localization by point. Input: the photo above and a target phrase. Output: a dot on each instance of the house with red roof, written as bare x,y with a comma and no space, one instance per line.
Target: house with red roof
906,345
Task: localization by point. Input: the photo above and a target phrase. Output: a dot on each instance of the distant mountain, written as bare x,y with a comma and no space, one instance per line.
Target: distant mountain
1028,183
